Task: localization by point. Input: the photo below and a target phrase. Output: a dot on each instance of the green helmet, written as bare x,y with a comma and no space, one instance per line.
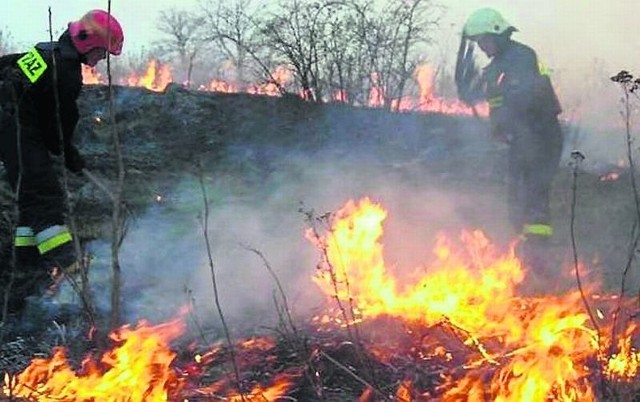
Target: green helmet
486,21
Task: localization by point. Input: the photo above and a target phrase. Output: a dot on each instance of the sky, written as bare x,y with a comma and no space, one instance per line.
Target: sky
29,22
565,32
562,30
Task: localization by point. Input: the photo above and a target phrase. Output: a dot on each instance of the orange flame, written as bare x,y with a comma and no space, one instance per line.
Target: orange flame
428,101
523,348
220,86
155,78
280,78
624,365
90,76
138,369
281,384
539,345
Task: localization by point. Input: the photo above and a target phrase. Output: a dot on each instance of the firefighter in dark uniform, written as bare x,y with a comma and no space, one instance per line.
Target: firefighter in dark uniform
30,133
524,113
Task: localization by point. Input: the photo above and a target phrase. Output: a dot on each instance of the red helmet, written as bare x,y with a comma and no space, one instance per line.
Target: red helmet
97,29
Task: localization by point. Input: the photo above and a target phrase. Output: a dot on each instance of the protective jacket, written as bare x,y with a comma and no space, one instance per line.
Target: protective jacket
30,132
523,113
36,101
518,88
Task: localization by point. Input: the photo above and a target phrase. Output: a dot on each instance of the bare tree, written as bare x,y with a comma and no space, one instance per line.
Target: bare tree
351,47
392,31
336,49
182,36
296,31
344,58
233,28
6,41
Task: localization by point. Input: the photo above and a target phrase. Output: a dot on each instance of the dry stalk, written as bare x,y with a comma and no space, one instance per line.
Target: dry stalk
288,323
16,200
295,340
356,377
629,86
214,281
348,311
85,290
193,314
578,157
118,217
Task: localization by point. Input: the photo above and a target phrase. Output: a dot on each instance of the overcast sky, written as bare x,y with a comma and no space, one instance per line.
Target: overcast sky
29,21
565,32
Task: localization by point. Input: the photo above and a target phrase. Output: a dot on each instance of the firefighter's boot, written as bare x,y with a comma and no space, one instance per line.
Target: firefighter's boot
536,256
28,277
60,264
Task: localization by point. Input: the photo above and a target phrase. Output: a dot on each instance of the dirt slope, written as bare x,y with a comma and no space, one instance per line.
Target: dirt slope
437,172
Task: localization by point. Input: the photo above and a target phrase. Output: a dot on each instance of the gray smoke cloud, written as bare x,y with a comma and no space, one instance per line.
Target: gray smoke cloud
164,258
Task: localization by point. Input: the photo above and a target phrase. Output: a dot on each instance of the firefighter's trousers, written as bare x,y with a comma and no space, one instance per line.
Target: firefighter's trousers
40,198
534,157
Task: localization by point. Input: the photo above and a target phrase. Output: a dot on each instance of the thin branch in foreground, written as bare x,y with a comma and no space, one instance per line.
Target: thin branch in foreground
294,339
577,158
84,291
118,215
283,295
16,213
214,281
356,377
629,86
348,310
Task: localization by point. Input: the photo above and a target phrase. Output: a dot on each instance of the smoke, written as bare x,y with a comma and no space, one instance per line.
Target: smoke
416,170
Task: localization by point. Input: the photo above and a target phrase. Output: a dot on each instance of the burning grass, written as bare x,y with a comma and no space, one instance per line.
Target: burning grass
457,329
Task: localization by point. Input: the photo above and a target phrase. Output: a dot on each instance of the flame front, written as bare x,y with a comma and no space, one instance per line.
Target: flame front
158,75
155,78
515,348
477,297
138,369
90,76
539,346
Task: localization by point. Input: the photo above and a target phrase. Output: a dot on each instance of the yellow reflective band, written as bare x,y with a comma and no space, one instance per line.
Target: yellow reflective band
54,242
32,65
544,70
25,241
24,237
538,229
495,102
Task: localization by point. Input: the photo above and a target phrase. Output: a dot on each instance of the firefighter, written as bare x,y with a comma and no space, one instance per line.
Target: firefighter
36,122
524,113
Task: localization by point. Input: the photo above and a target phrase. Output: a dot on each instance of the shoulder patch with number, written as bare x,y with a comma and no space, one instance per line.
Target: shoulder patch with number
32,65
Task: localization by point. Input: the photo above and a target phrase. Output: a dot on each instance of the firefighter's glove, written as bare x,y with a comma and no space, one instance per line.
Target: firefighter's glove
73,161
500,124
499,133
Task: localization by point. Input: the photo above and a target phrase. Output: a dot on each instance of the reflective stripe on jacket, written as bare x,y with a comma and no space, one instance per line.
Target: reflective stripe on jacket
516,87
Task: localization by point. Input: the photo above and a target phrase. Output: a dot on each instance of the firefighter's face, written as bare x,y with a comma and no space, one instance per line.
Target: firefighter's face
488,44
94,56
